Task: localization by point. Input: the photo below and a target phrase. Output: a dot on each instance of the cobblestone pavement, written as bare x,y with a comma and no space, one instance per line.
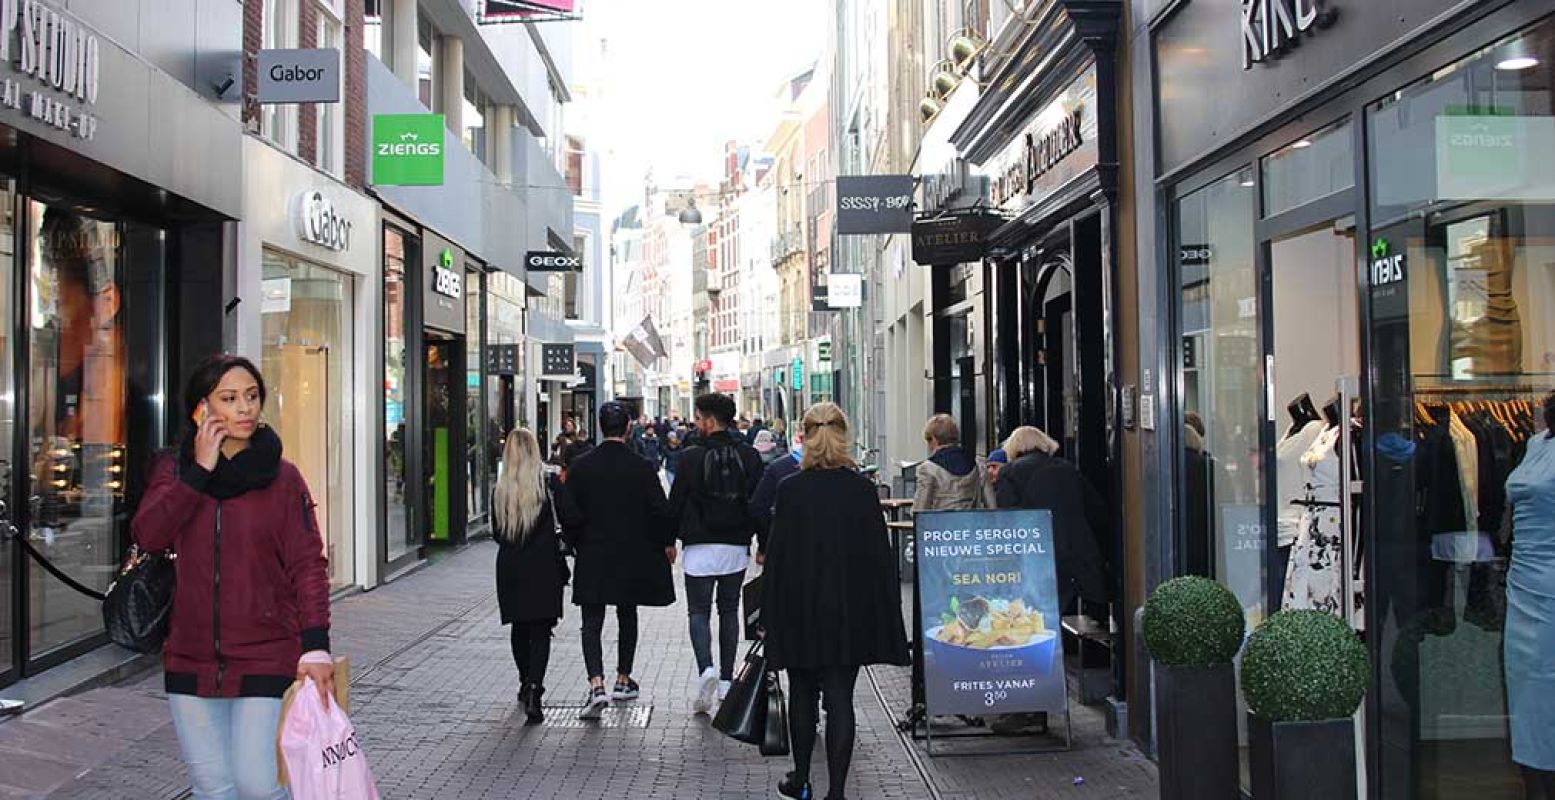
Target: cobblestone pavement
433,702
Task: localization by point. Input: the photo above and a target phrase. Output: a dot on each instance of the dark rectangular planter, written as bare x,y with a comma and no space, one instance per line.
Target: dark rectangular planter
1302,760
1196,719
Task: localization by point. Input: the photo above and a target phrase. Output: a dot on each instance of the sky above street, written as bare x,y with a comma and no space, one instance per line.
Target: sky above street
676,80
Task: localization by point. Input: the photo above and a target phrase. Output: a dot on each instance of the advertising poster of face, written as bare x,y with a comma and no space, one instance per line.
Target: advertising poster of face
989,593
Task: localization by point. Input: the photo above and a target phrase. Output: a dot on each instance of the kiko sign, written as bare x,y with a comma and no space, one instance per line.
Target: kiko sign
1270,28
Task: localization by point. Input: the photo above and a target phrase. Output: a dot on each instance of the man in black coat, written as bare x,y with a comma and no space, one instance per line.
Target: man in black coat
1040,480
624,551
764,501
714,481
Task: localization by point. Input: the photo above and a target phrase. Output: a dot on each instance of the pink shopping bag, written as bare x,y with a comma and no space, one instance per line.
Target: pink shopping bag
323,759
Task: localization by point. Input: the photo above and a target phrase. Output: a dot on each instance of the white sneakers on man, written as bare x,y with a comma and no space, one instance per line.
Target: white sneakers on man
723,690
706,689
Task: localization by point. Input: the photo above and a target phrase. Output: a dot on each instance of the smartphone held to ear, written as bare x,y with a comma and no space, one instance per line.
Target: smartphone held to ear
201,411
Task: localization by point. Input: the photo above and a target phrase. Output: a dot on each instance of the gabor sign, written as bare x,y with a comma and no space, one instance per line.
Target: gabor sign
299,76
318,222
408,149
59,52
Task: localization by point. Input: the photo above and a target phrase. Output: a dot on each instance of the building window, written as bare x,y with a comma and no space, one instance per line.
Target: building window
474,119
574,165
426,60
278,121
327,155
372,28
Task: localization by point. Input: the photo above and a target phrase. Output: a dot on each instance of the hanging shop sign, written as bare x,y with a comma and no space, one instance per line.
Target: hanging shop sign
299,76
869,204
845,290
988,599
823,351
1272,28
408,149
56,51
502,359
552,261
442,293
1057,145
319,222
952,239
558,360
796,371
520,9
726,385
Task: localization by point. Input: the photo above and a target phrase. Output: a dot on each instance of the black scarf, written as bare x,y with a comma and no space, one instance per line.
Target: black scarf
255,467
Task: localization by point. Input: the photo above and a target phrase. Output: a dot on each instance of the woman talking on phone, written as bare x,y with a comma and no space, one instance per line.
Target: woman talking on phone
251,607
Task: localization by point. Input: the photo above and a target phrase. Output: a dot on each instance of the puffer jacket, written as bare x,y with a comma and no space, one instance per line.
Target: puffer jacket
253,583
949,480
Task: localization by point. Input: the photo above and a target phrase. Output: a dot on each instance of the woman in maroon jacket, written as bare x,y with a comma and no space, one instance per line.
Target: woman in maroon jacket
251,609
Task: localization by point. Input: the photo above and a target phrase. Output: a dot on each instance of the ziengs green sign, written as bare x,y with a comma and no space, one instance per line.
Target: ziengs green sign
408,149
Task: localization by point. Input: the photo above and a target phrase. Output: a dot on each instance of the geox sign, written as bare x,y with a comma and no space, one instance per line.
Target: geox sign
1270,28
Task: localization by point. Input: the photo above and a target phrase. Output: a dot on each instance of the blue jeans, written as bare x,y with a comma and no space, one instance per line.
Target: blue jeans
700,593
229,745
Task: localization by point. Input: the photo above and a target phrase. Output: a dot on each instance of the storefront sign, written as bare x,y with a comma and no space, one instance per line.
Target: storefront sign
1271,28
498,9
726,385
408,149
320,223
1387,266
796,371
823,352
446,279
703,366
1194,255
869,204
442,289
59,52
558,360
299,76
1242,552
1494,153
988,593
1058,144
502,359
952,239
552,261
845,290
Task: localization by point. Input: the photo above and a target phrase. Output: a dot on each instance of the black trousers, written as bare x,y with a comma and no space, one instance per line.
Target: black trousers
532,650
700,593
834,685
626,643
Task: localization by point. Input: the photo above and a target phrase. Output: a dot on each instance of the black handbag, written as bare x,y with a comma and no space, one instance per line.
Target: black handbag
743,714
775,742
139,603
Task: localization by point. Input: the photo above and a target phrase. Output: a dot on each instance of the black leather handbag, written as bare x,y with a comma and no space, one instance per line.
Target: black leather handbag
775,740
139,603
743,714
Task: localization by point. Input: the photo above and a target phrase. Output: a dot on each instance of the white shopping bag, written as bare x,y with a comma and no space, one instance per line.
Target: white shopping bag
323,759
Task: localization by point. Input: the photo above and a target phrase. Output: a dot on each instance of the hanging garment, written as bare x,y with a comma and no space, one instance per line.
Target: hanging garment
1530,613
1291,479
1467,450
1314,579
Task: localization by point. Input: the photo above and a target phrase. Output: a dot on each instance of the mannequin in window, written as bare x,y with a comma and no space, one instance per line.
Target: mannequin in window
1302,411
1530,613
1291,477
1331,412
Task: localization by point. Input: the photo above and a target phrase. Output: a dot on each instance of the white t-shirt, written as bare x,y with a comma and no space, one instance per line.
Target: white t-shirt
708,560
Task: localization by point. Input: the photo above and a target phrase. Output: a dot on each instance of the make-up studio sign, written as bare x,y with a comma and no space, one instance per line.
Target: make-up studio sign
60,61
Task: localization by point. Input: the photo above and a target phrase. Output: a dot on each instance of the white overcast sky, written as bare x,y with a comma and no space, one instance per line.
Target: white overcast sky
681,77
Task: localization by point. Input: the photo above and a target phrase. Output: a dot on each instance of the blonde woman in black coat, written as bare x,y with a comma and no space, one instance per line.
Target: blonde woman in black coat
831,603
527,506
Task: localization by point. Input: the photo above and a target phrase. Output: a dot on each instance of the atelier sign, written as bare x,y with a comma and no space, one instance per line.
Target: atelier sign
1271,28
299,76
552,261
953,239
318,222
62,54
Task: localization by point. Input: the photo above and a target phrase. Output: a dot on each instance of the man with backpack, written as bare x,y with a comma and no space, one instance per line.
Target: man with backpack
709,502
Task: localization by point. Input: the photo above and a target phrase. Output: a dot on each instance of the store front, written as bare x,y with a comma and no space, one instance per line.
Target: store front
114,270
310,254
1362,299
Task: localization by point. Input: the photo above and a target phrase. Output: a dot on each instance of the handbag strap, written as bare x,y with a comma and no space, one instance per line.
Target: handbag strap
47,565
556,520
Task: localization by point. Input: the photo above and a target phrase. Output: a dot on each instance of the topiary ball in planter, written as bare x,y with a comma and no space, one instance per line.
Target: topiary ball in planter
1193,622
1304,666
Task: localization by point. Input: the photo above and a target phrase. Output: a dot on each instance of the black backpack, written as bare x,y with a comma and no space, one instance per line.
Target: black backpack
723,491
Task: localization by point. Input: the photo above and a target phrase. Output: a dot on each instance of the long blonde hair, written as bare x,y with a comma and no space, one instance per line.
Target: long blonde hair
826,440
520,492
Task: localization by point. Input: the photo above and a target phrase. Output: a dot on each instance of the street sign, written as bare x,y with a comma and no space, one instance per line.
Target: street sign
869,204
988,601
408,149
299,76
552,261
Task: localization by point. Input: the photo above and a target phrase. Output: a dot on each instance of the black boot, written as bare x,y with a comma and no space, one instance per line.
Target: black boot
534,712
524,690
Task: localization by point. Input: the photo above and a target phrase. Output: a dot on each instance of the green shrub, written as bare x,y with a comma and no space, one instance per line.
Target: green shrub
1302,666
1193,622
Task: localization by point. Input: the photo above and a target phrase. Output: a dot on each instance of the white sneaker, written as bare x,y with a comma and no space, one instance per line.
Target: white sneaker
723,690
706,686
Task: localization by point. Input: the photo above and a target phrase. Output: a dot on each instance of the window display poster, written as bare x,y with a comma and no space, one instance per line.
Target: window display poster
988,589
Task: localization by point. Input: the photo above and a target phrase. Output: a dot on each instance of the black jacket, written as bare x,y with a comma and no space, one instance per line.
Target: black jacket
764,500
1037,480
829,593
624,528
530,574
686,496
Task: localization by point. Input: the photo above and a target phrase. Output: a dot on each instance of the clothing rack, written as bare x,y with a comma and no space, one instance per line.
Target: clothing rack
1518,390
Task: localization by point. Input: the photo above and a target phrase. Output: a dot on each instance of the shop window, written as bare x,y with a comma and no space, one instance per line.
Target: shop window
1310,168
308,351
1461,284
478,437
401,537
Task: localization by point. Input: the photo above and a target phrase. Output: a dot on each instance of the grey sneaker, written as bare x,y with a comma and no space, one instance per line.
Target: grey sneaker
594,706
